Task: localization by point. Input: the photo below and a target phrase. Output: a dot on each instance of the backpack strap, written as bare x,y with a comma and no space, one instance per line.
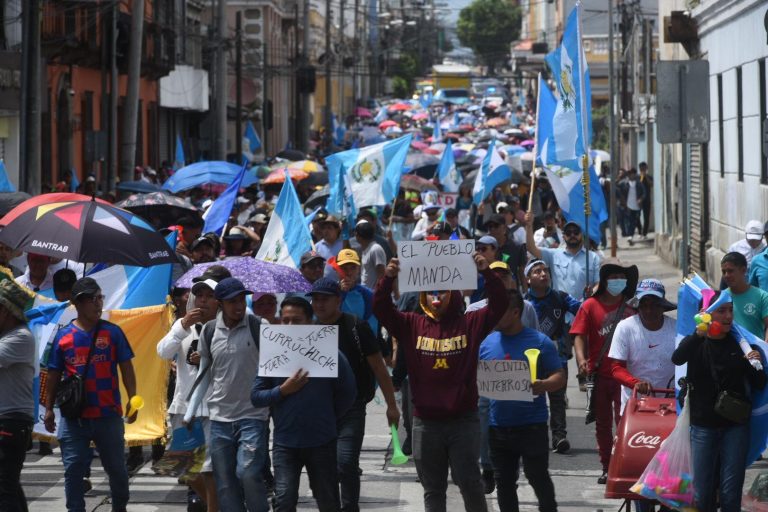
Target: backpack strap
254,324
204,346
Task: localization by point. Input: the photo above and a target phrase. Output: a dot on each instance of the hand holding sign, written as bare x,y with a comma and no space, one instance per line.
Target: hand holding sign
294,383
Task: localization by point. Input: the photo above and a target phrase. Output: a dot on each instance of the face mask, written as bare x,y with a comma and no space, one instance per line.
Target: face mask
616,286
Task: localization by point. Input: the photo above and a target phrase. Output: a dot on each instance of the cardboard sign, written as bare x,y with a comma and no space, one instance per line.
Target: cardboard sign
284,349
432,265
504,380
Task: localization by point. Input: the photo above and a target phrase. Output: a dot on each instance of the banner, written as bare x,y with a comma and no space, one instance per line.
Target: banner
436,265
504,379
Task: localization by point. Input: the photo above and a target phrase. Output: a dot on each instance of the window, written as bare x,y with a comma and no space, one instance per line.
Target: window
720,131
739,124
762,116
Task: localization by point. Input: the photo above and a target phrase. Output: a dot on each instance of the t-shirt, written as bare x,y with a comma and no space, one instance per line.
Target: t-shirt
356,350
17,371
552,312
102,387
632,202
749,309
648,354
511,413
594,321
372,256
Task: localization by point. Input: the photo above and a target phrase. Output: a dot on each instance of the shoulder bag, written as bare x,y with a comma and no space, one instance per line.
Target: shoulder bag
592,390
730,405
70,394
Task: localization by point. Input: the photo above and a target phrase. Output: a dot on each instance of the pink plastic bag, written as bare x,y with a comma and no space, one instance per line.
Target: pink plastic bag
668,478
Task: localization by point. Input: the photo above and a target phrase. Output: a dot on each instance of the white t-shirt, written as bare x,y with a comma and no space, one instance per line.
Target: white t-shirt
372,256
632,202
648,353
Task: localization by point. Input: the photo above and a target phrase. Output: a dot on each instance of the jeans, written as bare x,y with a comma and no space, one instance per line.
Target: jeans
15,436
557,422
633,221
482,413
406,407
438,444
351,429
730,445
508,445
238,451
75,439
320,462
607,406
646,207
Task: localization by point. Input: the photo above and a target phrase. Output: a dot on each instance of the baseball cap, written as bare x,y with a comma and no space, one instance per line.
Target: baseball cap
651,288
260,218
488,240
201,240
85,286
236,233
571,223
431,206
754,230
215,272
332,220
451,212
210,283
229,288
64,279
532,264
348,256
321,215
499,265
495,219
442,228
310,256
501,207
325,286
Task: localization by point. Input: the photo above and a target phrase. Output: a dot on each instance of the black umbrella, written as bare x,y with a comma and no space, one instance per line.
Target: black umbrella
294,155
88,232
161,208
10,200
137,186
318,198
316,178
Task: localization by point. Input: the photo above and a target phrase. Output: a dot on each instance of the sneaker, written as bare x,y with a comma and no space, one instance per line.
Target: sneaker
87,485
45,449
489,482
603,478
562,446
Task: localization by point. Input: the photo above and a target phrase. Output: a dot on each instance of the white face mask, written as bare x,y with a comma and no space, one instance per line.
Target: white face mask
616,286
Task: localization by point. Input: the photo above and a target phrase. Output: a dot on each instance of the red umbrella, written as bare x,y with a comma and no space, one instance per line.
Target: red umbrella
363,112
399,107
35,201
419,116
278,176
387,124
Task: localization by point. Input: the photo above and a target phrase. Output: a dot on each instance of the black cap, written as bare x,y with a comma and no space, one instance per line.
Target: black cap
64,279
85,286
495,219
451,212
215,272
202,240
325,286
442,228
230,288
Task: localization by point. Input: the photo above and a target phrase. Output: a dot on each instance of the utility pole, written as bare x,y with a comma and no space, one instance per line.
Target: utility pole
239,83
612,128
648,25
267,108
220,121
356,53
131,119
29,161
114,91
303,142
328,68
342,75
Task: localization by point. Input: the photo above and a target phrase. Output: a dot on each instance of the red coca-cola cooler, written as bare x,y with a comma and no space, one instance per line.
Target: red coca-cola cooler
646,422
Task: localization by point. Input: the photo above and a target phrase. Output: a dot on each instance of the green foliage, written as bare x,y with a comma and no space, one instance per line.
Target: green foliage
400,87
600,128
407,67
488,27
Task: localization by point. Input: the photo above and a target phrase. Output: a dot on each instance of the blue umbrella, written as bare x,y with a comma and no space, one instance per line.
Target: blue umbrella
514,149
141,187
206,173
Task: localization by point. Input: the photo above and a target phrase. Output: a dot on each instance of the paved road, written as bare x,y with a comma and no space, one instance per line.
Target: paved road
384,487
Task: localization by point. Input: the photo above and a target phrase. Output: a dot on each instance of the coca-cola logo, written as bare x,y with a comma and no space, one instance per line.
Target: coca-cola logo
641,440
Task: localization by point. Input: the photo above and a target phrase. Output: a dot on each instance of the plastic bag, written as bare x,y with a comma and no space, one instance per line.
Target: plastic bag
668,478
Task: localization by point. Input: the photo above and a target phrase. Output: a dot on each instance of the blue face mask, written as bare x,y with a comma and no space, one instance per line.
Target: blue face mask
616,286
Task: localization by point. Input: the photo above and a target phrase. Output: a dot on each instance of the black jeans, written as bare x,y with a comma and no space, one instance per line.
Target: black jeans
646,207
557,421
508,445
320,462
15,437
350,429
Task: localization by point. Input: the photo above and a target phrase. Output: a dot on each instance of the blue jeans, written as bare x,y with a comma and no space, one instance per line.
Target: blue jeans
238,452
730,446
482,412
75,438
351,429
320,462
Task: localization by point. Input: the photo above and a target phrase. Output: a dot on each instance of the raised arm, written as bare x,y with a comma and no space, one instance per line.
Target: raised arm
530,243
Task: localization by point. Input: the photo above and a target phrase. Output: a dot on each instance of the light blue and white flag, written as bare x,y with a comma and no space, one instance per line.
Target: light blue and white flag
251,141
311,216
437,132
179,160
217,215
381,115
566,180
339,131
74,184
450,178
370,174
493,171
5,183
425,100
287,236
572,122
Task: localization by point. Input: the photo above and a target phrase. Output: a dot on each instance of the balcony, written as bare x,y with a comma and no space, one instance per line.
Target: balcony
71,32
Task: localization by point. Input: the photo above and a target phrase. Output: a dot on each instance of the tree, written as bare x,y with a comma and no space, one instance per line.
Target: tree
488,27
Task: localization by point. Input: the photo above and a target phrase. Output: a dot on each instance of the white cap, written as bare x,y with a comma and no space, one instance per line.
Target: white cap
754,230
210,283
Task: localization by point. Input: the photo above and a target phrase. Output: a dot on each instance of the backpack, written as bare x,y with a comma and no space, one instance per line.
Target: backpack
370,390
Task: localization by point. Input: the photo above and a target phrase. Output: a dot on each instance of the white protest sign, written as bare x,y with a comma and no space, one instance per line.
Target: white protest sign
502,379
431,265
447,199
284,349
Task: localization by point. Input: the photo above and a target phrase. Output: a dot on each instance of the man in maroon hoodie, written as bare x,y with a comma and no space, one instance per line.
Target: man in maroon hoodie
441,350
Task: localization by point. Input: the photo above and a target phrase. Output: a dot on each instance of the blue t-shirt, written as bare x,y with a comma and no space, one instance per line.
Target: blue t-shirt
512,413
551,310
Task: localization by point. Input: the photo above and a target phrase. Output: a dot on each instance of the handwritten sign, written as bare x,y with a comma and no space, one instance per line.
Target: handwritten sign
504,380
436,265
284,349
447,199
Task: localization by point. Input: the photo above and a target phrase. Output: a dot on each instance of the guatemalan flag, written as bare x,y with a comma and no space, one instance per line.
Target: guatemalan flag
566,180
449,176
251,141
217,215
572,123
287,236
493,171
179,161
370,174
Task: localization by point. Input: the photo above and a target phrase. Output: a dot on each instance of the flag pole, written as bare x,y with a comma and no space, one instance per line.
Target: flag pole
585,139
535,146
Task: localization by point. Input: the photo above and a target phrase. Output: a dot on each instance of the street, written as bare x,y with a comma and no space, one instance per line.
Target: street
383,486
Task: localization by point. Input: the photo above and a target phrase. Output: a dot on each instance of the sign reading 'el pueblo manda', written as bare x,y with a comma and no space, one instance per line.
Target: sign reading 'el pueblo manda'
503,379
432,265
284,349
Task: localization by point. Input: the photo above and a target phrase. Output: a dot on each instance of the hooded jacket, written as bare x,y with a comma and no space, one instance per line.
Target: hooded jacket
441,355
